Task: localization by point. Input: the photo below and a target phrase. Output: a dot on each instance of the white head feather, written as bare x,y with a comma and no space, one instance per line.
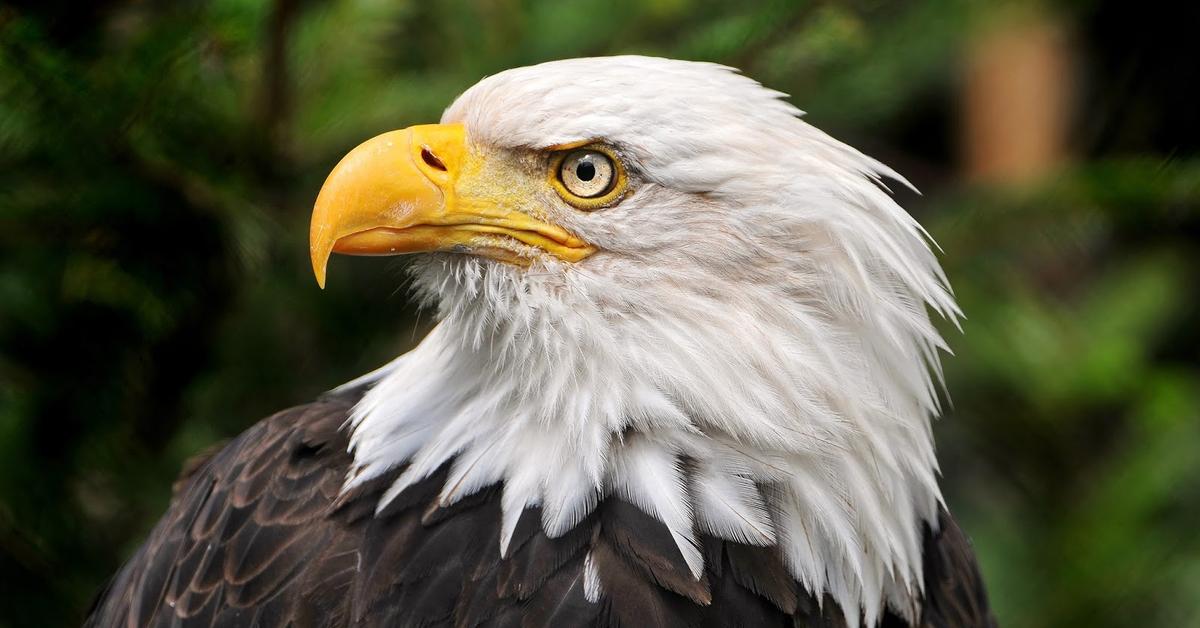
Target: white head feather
758,305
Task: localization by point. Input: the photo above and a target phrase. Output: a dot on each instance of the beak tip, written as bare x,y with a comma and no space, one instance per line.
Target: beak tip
320,263
319,272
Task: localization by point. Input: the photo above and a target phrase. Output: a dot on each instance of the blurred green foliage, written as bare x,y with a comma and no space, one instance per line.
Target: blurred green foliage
158,161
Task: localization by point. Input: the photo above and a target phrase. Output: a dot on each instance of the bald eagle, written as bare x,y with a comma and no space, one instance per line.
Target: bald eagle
683,375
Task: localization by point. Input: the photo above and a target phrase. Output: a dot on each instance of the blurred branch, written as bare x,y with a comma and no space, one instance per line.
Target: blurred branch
1016,99
275,99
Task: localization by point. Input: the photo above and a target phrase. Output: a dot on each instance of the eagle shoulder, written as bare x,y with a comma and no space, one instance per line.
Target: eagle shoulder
247,538
260,533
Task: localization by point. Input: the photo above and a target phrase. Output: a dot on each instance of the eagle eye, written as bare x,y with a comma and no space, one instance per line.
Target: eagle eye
589,177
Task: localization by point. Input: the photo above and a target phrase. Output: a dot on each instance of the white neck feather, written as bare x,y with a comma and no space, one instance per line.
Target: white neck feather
806,428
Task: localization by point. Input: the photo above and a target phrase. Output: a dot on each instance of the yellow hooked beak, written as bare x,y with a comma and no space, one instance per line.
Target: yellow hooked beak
397,193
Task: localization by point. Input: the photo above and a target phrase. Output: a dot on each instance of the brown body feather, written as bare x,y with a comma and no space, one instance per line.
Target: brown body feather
259,535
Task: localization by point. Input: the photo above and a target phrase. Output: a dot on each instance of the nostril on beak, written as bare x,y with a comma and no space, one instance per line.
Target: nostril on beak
432,160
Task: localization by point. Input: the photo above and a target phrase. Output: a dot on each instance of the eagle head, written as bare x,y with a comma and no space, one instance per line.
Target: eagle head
653,279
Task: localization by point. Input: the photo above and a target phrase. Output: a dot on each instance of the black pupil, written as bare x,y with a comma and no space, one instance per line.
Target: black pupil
585,170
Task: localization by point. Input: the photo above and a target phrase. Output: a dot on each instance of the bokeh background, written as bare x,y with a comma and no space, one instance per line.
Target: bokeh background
158,161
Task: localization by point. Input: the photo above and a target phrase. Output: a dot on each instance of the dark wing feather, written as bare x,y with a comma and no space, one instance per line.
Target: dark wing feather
646,544
561,602
740,607
632,600
761,571
954,592
538,557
